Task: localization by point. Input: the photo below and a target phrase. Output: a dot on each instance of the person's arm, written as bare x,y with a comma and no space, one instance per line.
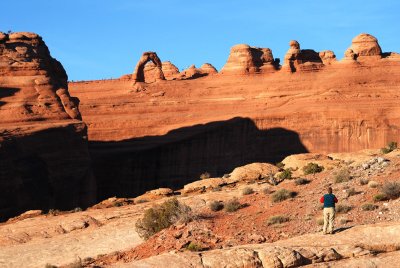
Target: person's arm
336,200
322,199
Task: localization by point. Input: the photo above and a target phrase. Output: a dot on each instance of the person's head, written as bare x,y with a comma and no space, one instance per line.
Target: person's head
330,190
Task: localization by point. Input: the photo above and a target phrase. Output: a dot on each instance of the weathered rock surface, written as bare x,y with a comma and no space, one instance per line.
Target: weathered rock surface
170,70
352,248
139,72
208,68
44,160
366,45
297,59
244,59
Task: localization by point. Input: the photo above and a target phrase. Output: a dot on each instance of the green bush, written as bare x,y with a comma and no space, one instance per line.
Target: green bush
247,191
232,205
282,195
277,219
267,190
216,205
343,175
380,197
193,246
301,181
368,207
162,216
280,165
312,168
389,148
285,174
343,208
364,181
391,190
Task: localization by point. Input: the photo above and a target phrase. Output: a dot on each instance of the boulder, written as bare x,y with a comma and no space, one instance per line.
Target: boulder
252,172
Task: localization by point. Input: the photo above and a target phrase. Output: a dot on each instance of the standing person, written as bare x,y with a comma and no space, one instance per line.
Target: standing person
329,201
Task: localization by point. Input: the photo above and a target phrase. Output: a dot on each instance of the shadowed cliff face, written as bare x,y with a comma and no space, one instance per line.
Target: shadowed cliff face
130,167
47,169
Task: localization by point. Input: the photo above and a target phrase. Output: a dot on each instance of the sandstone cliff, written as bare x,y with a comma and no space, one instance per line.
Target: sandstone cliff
176,130
44,160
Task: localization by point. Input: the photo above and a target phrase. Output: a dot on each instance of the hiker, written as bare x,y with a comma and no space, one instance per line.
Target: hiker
329,201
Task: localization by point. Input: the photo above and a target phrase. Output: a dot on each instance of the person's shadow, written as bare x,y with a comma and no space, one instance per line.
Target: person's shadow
339,230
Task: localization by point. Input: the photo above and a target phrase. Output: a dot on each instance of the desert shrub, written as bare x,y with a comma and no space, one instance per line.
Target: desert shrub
48,265
247,190
285,174
216,205
312,168
216,189
368,207
390,147
140,201
343,208
76,264
282,195
277,219
267,190
53,212
342,175
380,197
391,190
351,192
320,221
205,175
343,220
301,181
193,246
364,181
373,184
280,165
77,209
232,205
162,216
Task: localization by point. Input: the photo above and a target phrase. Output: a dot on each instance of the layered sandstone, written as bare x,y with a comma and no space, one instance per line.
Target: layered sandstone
156,68
148,140
44,160
297,59
244,59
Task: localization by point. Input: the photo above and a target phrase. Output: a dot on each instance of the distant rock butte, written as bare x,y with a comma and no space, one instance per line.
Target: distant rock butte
44,160
244,59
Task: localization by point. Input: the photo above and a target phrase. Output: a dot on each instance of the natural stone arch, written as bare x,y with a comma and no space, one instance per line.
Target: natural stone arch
138,74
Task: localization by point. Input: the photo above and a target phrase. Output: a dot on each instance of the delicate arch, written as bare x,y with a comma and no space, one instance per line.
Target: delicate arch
138,74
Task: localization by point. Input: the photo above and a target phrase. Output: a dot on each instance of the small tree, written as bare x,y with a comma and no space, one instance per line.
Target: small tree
390,147
205,175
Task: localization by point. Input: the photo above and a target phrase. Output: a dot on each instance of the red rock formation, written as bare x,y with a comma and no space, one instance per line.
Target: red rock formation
366,45
297,59
207,68
44,160
244,59
149,142
139,73
170,70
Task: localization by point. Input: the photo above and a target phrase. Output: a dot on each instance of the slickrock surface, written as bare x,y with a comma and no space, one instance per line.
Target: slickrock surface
105,234
170,132
354,247
44,160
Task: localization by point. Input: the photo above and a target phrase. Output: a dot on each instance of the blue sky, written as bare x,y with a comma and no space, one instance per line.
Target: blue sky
97,39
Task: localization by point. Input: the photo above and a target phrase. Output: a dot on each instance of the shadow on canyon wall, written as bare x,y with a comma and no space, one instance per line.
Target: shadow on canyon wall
7,92
130,167
48,169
